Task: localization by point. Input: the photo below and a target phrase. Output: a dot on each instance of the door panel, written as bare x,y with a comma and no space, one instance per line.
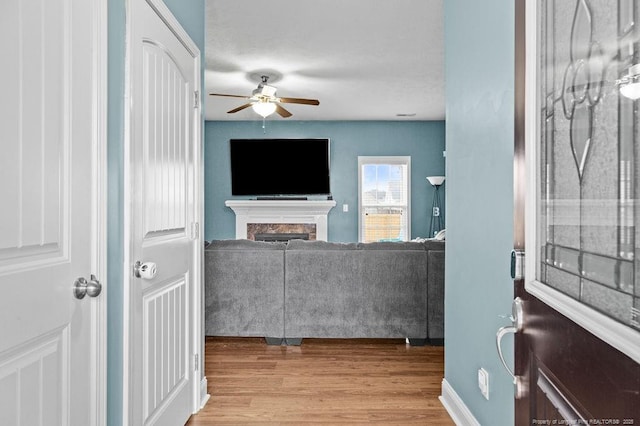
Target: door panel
36,143
34,380
164,75
49,119
166,342
166,138
165,347
596,380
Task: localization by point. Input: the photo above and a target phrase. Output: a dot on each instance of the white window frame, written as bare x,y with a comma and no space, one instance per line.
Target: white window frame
403,160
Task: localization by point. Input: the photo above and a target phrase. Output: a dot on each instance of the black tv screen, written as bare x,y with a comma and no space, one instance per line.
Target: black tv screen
280,167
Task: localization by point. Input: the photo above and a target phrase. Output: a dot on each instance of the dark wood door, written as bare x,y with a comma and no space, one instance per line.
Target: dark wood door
567,374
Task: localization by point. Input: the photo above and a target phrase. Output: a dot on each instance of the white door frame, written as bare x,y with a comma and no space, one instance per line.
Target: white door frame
199,391
99,219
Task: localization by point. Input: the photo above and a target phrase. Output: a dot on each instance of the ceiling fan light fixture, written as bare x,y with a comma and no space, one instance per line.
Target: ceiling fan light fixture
629,85
264,108
268,90
630,90
264,101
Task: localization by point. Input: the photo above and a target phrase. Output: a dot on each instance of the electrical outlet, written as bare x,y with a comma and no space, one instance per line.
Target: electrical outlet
345,208
483,382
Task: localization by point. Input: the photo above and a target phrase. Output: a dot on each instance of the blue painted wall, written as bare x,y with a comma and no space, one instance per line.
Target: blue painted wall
191,15
423,141
479,67
115,216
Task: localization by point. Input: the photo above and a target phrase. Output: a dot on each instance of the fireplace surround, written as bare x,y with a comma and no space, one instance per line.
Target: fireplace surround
281,216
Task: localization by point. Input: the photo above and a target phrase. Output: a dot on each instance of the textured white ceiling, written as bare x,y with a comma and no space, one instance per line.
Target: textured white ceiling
363,59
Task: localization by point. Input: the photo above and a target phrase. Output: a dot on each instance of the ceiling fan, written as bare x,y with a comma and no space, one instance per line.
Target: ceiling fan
265,102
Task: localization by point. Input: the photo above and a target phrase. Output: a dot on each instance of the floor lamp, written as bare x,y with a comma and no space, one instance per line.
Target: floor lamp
436,218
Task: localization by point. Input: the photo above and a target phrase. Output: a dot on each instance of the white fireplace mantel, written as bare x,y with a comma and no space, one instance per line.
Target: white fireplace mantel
281,211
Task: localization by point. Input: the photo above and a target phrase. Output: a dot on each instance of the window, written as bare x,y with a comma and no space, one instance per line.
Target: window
383,188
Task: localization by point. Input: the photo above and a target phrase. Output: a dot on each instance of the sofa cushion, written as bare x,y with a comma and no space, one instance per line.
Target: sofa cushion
434,244
245,245
319,245
340,290
244,288
435,295
392,246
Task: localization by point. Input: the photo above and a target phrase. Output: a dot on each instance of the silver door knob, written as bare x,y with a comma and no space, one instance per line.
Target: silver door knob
145,270
91,288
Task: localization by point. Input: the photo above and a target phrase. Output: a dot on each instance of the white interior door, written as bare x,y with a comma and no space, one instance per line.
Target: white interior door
163,173
50,216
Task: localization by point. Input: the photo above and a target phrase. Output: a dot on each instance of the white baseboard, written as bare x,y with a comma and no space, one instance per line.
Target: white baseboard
456,407
204,395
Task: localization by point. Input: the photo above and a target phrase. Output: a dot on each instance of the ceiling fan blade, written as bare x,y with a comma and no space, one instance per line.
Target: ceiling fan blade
299,101
240,108
283,112
230,96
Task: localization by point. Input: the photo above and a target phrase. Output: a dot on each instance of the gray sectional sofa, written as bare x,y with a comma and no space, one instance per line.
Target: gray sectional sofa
315,289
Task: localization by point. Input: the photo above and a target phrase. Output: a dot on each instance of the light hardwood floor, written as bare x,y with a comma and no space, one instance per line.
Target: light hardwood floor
328,381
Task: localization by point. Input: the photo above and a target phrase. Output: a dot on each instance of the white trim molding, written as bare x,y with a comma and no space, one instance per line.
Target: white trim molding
204,394
404,203
281,211
455,406
174,25
618,335
99,219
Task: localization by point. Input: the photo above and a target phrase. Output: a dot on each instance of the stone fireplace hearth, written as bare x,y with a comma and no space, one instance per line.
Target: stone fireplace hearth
281,216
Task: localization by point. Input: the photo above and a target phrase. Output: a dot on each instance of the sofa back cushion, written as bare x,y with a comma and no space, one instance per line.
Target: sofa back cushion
244,293
319,245
245,245
345,290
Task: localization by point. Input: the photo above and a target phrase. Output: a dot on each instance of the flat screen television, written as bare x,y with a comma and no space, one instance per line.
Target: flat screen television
280,167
